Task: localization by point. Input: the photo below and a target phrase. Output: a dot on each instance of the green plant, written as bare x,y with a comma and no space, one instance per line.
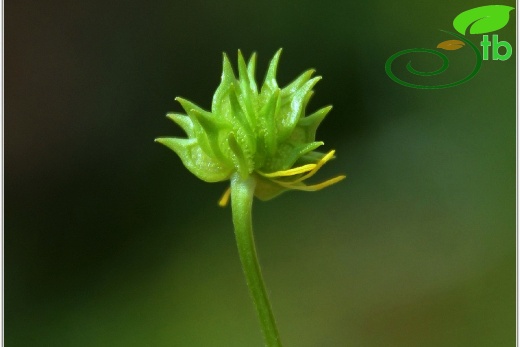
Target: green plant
260,140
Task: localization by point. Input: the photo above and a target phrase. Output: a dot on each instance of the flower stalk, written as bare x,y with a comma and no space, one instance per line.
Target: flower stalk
242,193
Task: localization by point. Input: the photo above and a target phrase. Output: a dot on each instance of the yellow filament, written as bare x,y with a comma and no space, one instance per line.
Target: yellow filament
311,188
319,164
290,172
225,198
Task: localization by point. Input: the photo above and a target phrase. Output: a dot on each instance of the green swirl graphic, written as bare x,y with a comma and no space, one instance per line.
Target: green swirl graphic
445,64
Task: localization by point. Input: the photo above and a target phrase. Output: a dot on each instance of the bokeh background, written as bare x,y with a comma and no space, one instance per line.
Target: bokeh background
110,241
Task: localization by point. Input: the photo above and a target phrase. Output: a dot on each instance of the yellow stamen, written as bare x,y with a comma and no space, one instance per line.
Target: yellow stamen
225,198
290,172
319,164
311,188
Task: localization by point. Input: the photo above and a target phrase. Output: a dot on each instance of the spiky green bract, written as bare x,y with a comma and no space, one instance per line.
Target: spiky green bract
250,130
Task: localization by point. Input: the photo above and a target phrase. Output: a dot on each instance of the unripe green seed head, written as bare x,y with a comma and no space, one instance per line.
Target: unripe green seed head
252,132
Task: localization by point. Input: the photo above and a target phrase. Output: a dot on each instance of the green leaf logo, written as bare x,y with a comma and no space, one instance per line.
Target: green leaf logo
482,20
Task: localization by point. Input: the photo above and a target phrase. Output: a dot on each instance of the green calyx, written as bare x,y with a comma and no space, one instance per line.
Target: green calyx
252,131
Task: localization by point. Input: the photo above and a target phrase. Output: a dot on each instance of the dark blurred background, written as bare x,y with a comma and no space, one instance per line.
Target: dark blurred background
110,241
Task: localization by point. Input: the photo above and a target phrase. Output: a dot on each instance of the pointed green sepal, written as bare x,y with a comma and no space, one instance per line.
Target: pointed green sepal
297,83
184,122
239,114
195,160
270,78
292,112
251,67
242,72
267,121
202,137
246,94
213,128
227,70
188,105
218,103
311,123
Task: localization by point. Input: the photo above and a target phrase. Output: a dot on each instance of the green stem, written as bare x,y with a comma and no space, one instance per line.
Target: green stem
242,192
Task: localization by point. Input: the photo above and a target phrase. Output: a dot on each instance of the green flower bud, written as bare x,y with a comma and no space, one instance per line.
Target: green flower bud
263,132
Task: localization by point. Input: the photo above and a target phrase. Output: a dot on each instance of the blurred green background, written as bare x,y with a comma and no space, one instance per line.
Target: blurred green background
110,241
